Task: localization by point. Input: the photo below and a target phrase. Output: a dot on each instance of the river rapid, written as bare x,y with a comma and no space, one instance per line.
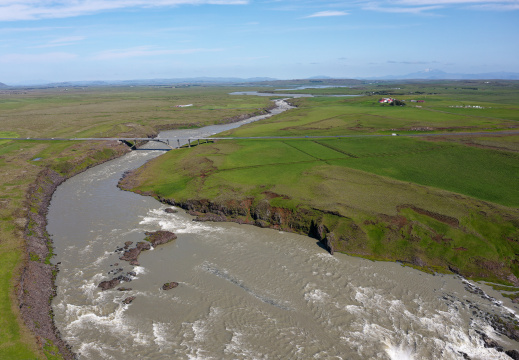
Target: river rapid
244,292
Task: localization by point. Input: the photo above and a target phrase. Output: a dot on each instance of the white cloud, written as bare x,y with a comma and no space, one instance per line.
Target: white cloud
12,10
64,41
400,9
420,6
54,57
327,13
453,2
145,51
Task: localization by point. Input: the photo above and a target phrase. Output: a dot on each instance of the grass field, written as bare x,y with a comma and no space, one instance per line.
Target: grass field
437,201
391,198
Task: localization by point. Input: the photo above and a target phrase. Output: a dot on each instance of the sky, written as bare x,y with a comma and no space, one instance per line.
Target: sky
76,40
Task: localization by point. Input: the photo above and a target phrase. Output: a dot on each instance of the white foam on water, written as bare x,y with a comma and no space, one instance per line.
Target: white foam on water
102,258
88,288
140,270
316,295
194,334
325,256
160,334
113,322
92,350
399,352
238,347
179,225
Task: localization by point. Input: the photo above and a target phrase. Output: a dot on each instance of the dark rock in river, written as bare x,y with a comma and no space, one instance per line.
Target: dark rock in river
514,354
109,284
128,243
160,237
141,245
129,299
171,211
124,289
153,239
131,254
170,285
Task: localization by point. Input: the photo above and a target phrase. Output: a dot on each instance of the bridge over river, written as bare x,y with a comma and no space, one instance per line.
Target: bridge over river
174,143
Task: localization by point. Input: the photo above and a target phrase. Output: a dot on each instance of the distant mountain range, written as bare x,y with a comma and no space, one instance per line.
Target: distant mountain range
429,74
432,74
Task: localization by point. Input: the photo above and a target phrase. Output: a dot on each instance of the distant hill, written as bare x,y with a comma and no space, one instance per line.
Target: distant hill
2,85
164,82
433,74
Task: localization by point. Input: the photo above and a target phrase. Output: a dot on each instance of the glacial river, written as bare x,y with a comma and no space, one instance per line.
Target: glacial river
244,292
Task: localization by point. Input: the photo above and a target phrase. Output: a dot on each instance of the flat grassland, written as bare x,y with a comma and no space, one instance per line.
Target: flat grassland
435,202
439,203
79,112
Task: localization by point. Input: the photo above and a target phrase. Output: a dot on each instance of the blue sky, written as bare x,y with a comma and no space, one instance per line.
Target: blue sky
67,40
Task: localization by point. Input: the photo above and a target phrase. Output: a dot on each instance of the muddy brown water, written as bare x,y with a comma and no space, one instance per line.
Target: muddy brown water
244,292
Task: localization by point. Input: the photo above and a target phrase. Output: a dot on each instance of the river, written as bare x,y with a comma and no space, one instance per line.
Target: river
244,292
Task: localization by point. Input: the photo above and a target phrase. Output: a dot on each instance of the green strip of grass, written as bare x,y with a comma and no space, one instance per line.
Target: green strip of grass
11,344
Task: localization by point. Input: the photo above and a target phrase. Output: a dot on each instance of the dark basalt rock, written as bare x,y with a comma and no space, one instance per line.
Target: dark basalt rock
160,237
153,239
124,289
129,299
171,211
170,285
109,284
261,223
514,354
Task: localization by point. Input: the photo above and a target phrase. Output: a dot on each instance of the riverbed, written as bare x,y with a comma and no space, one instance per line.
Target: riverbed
244,292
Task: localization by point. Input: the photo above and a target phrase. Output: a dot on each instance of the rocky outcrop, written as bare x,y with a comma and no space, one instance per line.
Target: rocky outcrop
128,300
303,221
109,284
169,285
154,239
160,237
132,255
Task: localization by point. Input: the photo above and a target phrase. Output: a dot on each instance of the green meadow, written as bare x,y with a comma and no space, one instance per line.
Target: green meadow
438,202
431,202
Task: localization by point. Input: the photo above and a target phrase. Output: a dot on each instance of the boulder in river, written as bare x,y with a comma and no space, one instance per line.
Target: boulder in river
109,284
169,285
129,299
171,211
160,237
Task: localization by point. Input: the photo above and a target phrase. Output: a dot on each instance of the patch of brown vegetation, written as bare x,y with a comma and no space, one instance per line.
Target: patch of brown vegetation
449,220
271,195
